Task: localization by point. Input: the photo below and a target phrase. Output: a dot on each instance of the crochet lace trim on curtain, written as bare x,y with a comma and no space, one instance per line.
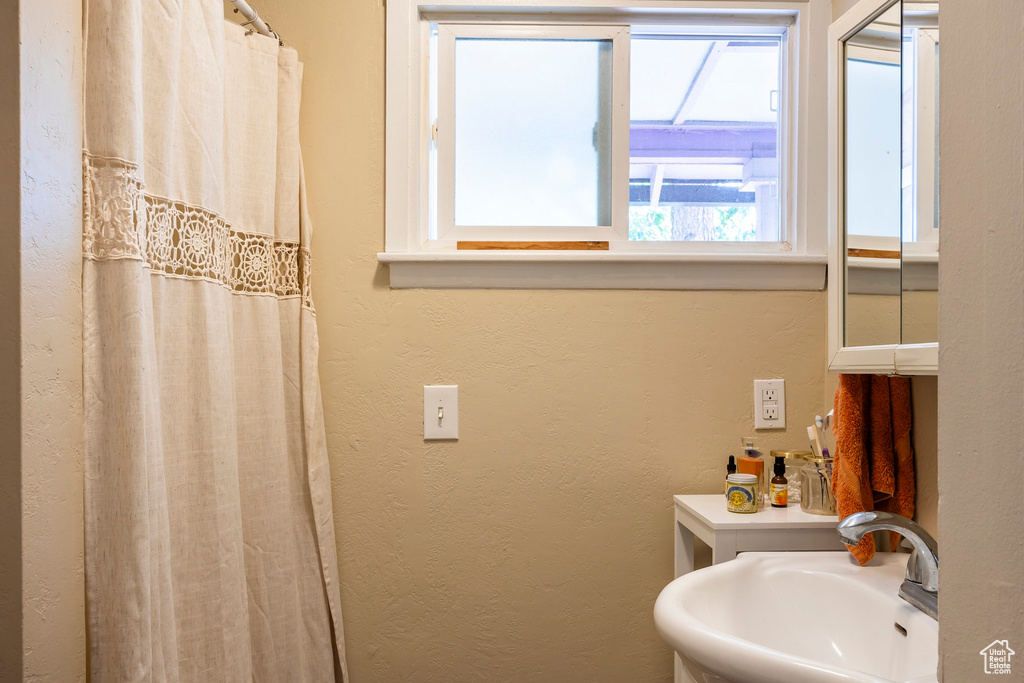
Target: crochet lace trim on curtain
181,240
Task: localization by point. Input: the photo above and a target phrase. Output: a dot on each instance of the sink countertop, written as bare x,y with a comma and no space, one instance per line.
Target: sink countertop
711,510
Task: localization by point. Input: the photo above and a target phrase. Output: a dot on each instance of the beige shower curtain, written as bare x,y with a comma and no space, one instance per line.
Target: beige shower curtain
210,551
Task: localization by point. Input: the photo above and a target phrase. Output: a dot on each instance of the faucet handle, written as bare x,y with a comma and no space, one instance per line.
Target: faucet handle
915,568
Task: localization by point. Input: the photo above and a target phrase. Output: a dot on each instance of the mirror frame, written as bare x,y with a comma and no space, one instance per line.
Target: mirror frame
889,359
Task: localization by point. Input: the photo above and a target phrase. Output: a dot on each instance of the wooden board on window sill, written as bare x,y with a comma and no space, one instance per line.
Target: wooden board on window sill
873,253
547,246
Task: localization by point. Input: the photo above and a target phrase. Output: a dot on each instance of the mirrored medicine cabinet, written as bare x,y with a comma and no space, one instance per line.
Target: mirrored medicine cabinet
884,188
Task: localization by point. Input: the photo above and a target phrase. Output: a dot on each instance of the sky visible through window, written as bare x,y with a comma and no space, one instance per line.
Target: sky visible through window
872,148
704,120
527,147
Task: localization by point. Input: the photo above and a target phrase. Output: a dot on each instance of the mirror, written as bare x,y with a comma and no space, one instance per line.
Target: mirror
920,173
872,181
884,165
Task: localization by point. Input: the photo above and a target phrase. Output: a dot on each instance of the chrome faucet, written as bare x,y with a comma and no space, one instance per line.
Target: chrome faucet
921,586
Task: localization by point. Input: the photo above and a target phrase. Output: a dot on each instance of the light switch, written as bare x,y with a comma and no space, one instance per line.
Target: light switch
441,412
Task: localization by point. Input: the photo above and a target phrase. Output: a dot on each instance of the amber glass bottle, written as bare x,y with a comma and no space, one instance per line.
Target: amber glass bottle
779,484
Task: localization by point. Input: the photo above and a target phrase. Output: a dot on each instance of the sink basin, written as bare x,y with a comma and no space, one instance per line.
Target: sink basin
798,617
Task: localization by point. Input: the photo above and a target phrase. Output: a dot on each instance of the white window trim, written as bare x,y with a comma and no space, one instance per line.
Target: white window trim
618,226
925,101
797,263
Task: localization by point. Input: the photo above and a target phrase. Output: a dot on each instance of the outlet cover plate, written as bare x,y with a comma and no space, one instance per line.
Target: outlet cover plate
769,404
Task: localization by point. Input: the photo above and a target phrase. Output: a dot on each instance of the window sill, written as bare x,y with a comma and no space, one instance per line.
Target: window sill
914,272
604,270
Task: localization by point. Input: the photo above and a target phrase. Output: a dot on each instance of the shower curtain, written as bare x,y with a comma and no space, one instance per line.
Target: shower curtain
210,552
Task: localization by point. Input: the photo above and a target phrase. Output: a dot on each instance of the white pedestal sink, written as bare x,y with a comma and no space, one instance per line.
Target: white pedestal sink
798,617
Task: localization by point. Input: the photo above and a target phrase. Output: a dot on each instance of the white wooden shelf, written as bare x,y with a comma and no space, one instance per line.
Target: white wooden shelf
729,533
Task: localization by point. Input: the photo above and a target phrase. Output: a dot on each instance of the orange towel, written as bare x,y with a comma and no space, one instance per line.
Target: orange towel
874,459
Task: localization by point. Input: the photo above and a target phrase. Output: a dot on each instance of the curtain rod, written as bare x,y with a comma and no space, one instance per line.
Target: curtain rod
252,18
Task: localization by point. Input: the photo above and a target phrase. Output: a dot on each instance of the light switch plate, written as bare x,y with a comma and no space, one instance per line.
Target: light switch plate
769,404
441,412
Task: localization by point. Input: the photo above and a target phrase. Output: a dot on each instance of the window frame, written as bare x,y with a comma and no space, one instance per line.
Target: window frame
448,231
926,231
787,132
796,261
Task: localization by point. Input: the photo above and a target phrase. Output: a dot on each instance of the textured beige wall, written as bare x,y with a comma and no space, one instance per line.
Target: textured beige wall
51,342
920,316
981,319
10,348
911,318
924,396
872,319
839,7
534,547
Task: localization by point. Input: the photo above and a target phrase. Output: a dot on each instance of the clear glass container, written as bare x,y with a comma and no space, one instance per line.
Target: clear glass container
795,461
816,487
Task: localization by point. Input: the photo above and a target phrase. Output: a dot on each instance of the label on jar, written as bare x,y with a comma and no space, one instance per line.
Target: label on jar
741,499
779,495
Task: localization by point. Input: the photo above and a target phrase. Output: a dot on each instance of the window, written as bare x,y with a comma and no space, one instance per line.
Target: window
704,137
873,146
891,128
525,132
652,134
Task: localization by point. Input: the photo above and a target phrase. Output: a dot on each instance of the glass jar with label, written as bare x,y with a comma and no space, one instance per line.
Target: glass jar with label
742,493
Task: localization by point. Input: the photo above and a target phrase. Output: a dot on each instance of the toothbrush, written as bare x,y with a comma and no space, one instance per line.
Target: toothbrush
819,430
812,434
828,420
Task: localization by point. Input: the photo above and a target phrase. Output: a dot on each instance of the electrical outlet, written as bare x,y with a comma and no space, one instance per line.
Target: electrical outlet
769,404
